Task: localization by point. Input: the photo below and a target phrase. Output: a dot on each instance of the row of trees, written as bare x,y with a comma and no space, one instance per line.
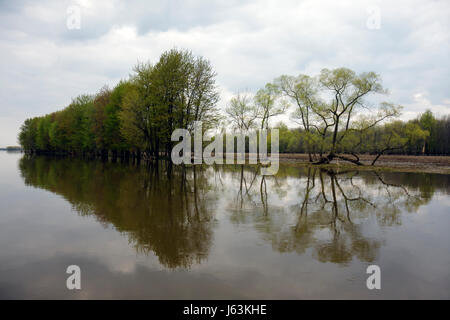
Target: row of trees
336,120
138,116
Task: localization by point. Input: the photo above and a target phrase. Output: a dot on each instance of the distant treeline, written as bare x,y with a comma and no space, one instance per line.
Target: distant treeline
435,142
137,117
12,148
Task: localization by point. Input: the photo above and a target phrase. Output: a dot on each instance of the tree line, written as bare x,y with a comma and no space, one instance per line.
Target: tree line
396,137
137,117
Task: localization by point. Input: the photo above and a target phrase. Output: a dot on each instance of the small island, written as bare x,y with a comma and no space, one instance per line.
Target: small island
12,149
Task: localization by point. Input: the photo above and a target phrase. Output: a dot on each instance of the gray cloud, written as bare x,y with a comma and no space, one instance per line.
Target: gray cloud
44,64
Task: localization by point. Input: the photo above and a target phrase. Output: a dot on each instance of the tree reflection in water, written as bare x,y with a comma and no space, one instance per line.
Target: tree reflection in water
333,208
171,211
162,211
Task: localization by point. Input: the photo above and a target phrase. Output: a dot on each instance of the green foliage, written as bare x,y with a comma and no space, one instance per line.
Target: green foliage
242,113
139,113
334,116
428,122
397,137
173,93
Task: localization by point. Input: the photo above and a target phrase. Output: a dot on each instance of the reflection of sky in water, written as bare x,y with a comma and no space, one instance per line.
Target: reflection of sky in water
246,250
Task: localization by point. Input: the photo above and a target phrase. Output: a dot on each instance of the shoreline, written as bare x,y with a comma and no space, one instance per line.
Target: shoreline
400,163
403,163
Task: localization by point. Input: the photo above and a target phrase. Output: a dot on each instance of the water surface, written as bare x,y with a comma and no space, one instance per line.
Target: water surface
220,232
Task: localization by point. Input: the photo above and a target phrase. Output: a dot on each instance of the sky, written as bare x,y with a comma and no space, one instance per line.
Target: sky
52,51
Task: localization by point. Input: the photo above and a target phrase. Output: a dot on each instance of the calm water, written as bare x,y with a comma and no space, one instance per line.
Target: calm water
219,232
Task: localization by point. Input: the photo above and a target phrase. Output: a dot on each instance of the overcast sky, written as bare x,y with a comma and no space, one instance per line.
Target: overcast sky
45,60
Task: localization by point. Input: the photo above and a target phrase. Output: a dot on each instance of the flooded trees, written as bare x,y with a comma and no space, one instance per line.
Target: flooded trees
178,90
241,113
137,116
331,108
302,91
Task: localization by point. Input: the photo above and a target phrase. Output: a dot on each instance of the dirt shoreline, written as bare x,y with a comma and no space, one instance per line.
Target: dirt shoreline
431,164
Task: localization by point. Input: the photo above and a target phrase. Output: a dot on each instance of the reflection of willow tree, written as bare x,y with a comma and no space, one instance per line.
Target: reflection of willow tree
333,210
169,216
252,193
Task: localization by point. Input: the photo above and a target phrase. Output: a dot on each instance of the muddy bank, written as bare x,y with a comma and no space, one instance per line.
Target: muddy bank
435,164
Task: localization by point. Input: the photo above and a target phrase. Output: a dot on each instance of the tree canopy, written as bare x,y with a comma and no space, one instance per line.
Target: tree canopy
336,116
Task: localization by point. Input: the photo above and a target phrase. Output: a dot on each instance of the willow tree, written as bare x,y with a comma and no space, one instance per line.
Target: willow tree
333,106
243,115
268,104
302,91
348,107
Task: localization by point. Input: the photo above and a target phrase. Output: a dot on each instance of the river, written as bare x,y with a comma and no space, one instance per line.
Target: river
219,232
